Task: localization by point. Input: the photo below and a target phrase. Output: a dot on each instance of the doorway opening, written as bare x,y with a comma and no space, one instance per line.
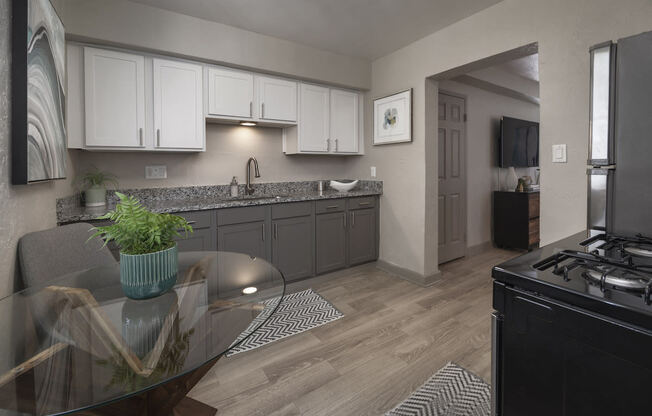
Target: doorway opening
471,102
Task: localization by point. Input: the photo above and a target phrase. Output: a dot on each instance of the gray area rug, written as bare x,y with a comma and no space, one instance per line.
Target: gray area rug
453,391
297,312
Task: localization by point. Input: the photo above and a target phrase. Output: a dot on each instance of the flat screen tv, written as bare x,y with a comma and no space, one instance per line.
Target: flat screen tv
519,143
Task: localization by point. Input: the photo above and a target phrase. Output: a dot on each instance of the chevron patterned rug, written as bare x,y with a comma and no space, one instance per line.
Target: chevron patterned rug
297,312
453,391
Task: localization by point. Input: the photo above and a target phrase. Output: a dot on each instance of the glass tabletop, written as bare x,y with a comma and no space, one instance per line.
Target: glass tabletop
79,343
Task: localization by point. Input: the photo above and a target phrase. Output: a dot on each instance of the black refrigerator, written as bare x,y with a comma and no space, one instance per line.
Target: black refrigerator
620,150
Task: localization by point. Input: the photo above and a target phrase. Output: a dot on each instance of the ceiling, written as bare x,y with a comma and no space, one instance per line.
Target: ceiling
361,28
526,67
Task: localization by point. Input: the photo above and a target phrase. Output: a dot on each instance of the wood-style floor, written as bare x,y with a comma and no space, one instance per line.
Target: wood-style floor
394,336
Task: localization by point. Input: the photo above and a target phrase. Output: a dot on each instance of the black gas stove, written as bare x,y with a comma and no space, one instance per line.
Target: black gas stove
612,263
573,314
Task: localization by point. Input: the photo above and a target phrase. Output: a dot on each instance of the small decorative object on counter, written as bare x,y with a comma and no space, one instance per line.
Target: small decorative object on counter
234,187
511,180
148,252
94,183
343,186
521,185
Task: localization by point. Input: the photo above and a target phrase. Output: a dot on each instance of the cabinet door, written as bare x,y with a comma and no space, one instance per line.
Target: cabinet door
248,238
277,99
314,118
114,98
293,247
331,241
362,236
178,114
230,93
345,130
199,240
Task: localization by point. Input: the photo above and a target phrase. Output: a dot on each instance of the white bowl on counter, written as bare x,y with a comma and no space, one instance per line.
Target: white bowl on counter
343,186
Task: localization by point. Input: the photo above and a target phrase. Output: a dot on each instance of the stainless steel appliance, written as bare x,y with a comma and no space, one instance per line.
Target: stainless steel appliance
620,147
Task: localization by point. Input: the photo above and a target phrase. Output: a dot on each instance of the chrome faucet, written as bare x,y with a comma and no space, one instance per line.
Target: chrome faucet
248,188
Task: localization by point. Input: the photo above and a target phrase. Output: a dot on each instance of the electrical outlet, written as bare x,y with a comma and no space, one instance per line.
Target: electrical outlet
559,153
373,171
156,172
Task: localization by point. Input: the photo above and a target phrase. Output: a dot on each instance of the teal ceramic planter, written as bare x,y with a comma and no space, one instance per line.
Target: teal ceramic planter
148,275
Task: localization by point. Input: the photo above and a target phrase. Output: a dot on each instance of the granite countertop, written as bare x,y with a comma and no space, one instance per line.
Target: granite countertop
176,201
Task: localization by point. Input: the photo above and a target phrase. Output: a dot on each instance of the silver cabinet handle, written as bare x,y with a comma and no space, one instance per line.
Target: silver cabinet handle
263,228
158,137
332,206
275,231
262,110
363,203
353,219
336,145
251,108
140,136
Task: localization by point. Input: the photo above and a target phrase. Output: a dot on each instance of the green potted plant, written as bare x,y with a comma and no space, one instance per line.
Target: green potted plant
148,252
94,184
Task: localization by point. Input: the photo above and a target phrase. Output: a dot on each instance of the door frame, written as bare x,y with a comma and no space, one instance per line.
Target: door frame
466,169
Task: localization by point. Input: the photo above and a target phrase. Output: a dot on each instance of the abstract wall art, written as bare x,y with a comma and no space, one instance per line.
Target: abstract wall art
39,145
393,118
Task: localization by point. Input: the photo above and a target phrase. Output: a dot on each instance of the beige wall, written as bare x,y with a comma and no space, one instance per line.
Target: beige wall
564,29
31,208
484,110
227,151
23,208
131,24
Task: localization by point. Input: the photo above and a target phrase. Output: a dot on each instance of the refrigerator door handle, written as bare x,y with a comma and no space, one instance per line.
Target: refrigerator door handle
602,104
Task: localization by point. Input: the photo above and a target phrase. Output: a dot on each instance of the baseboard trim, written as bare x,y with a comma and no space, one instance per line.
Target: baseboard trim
409,275
479,248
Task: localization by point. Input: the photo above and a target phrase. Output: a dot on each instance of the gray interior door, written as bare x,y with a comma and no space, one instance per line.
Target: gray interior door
248,238
452,178
331,241
293,247
362,236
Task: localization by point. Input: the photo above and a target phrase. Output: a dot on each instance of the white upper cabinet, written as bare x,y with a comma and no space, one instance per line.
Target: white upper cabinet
329,122
230,93
114,99
277,99
178,105
314,119
344,130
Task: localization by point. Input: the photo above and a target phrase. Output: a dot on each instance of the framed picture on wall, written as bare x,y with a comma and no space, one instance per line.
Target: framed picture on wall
38,71
393,118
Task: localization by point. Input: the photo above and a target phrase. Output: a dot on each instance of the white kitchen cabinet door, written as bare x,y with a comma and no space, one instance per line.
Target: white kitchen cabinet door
178,114
230,93
344,129
114,99
277,99
314,119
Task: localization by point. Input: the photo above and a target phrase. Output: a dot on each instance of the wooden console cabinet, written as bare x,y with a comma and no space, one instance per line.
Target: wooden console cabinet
516,220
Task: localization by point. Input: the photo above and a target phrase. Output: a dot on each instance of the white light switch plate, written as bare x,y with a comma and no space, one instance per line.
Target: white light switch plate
156,172
373,171
559,153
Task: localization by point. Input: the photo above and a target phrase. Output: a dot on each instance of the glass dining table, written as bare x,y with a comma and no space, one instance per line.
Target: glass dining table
79,346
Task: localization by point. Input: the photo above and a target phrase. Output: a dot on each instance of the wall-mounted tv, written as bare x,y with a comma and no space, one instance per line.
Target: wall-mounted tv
519,143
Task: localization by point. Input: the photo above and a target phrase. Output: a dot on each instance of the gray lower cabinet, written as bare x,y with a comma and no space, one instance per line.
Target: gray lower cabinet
362,236
330,230
248,238
199,240
293,247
